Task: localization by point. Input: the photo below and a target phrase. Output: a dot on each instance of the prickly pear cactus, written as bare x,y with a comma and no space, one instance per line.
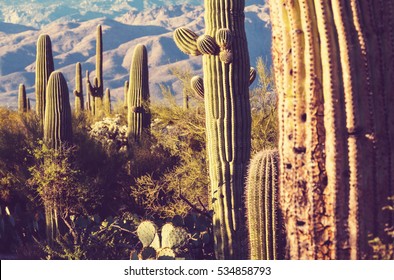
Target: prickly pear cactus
147,233
173,237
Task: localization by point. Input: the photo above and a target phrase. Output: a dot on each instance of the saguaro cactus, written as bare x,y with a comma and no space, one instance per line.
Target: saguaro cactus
79,103
262,207
333,63
22,100
107,102
97,89
44,68
57,124
138,95
125,91
226,94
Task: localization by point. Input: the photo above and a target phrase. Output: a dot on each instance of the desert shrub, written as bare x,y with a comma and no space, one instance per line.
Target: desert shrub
383,247
264,110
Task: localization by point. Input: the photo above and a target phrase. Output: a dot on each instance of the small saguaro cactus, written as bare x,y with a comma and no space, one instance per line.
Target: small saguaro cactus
125,91
107,102
79,102
22,100
57,122
28,105
44,68
228,118
262,207
138,95
334,74
97,89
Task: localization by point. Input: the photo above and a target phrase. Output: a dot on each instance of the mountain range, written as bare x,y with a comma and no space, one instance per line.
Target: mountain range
72,28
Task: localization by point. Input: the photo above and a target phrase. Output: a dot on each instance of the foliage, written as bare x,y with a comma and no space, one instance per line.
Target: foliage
264,110
383,248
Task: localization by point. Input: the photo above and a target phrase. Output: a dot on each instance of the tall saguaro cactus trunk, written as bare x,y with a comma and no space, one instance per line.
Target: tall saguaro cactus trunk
226,81
44,68
334,74
78,93
138,95
22,100
96,91
57,133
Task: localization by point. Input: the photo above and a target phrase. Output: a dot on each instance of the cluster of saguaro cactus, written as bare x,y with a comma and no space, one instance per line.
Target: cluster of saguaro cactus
172,237
95,92
138,94
22,99
44,68
57,121
262,207
78,93
333,63
228,121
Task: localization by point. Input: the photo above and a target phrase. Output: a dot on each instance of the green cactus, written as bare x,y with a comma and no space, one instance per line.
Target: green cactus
228,119
22,100
334,77
57,124
89,95
125,91
252,75
262,206
28,105
138,95
147,233
172,237
107,102
197,84
44,68
79,103
96,90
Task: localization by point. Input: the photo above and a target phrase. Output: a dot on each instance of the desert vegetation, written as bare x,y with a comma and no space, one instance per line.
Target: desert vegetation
298,167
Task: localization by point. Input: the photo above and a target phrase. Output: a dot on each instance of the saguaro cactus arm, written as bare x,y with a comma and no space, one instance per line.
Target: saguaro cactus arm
78,93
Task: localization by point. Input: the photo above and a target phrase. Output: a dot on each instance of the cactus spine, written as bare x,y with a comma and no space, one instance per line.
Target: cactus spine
44,68
228,119
97,89
57,124
79,103
335,121
262,206
138,95
22,100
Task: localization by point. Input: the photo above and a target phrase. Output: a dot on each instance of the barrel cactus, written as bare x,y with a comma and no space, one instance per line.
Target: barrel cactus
138,95
228,119
44,68
57,121
333,63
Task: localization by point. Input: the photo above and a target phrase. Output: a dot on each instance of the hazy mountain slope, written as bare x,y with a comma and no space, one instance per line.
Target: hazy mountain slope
74,41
